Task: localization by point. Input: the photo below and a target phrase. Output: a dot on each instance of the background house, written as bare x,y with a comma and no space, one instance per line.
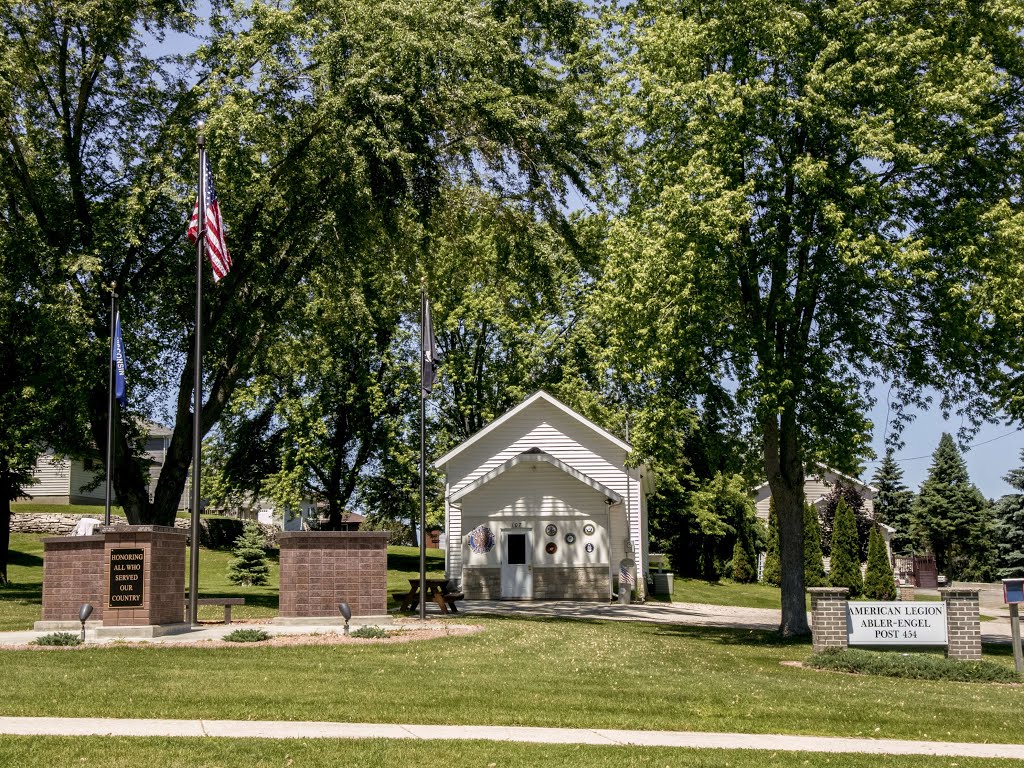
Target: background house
66,480
540,504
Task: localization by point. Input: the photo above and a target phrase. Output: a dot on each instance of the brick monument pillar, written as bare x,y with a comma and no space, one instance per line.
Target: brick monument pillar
963,624
320,569
72,575
828,617
143,581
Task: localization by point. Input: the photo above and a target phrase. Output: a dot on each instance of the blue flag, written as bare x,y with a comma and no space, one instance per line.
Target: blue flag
118,353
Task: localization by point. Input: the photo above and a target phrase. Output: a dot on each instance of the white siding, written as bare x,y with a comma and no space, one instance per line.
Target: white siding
816,486
80,477
545,427
53,476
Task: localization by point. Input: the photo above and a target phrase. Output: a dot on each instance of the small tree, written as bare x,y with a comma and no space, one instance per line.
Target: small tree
845,571
772,568
855,501
879,583
814,567
1009,513
250,566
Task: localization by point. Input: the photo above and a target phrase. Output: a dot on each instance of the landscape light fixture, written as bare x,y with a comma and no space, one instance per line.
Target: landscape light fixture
83,615
346,614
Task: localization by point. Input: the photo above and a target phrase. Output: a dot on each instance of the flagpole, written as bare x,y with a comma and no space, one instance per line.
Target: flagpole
197,393
110,401
423,456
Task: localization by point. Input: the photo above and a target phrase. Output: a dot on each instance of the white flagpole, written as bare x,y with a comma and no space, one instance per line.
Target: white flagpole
197,393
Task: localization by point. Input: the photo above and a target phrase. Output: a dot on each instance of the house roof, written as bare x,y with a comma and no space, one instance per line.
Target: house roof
540,395
536,456
837,473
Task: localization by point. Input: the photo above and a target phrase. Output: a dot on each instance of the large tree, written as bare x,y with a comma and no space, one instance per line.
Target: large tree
952,517
325,122
808,201
894,502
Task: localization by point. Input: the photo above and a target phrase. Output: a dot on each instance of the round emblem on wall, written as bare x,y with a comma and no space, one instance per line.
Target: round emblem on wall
589,529
481,540
589,548
570,538
551,548
550,529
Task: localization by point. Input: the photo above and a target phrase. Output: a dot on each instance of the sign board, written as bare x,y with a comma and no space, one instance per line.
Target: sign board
896,623
127,567
1013,591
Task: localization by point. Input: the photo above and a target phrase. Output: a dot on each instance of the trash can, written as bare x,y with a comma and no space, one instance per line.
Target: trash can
663,583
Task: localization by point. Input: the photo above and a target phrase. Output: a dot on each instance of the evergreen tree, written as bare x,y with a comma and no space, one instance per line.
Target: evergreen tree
894,503
855,501
845,571
814,567
250,566
879,583
772,568
951,515
744,567
1009,514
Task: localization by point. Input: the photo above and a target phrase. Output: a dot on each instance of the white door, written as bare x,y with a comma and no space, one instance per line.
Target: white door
516,564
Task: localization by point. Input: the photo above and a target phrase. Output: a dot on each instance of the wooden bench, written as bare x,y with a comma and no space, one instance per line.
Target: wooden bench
227,602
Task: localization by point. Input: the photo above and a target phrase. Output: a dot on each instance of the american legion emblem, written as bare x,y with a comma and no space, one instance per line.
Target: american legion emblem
481,539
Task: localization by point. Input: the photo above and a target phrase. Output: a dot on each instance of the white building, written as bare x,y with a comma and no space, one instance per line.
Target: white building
818,483
540,504
64,480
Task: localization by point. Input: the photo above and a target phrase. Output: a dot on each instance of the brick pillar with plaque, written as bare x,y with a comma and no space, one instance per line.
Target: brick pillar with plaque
144,576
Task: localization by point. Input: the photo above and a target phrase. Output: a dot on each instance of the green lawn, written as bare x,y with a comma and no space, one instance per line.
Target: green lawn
21,604
83,510
108,752
725,592
542,672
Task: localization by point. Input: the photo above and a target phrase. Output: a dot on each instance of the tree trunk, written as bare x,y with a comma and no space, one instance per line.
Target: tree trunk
784,467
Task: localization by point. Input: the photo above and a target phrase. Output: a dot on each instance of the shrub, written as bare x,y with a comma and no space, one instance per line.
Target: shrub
250,566
879,583
845,571
58,639
814,566
369,631
915,666
772,565
247,636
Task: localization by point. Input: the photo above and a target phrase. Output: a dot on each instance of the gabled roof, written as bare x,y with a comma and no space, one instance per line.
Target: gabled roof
535,456
828,470
538,396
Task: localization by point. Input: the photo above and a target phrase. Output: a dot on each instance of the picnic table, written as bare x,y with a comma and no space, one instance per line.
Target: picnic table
437,591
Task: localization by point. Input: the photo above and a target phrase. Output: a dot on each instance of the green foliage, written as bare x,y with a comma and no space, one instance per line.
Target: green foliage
845,564
1009,515
249,566
368,631
707,530
814,566
952,517
772,568
879,583
247,636
894,503
855,501
792,217
744,567
58,639
913,666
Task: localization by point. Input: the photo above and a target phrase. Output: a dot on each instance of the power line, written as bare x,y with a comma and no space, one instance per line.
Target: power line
929,455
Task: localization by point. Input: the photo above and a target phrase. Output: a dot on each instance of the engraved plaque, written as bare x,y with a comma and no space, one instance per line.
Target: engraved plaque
126,578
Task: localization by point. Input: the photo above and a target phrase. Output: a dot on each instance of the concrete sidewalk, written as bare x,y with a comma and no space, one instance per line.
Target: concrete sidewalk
56,726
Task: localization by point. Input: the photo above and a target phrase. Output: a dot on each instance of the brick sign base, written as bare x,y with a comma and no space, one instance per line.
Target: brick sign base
149,559
963,625
320,569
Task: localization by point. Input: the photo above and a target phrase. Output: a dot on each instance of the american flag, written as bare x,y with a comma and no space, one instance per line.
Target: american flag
216,248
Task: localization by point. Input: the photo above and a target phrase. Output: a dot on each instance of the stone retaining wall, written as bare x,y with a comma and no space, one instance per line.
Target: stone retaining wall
63,524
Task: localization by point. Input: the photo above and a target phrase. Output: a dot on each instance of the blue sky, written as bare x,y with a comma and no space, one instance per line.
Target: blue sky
996,450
